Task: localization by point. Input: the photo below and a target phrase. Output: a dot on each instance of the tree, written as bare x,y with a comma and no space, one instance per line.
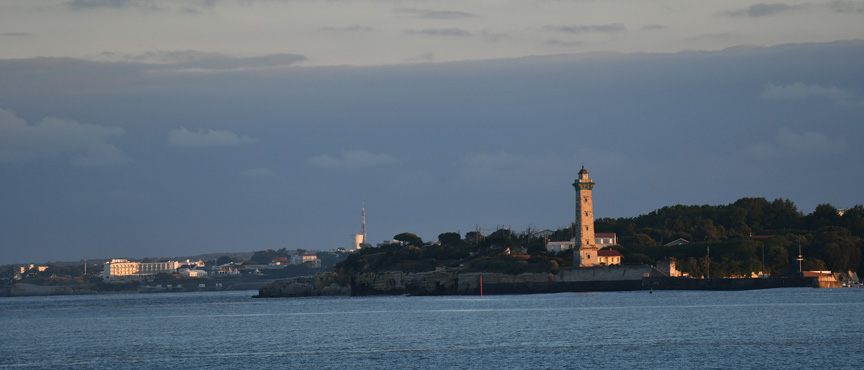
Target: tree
707,231
853,219
224,260
409,238
838,249
474,237
450,238
263,257
643,240
823,215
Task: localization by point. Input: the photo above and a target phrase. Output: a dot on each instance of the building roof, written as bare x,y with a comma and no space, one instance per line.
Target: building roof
678,241
583,170
609,253
604,235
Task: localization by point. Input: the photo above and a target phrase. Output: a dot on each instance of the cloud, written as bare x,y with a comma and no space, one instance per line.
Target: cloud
351,28
201,138
556,42
581,28
425,57
788,144
654,27
849,7
352,159
488,167
725,37
440,32
185,6
258,172
492,36
85,144
95,4
434,14
800,90
763,10
192,59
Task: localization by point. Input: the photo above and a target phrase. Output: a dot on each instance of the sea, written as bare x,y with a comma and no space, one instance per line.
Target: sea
790,328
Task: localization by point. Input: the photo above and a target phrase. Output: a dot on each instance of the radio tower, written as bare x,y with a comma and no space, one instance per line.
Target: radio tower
363,228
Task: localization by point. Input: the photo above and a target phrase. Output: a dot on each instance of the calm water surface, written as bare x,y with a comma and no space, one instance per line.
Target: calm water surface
766,329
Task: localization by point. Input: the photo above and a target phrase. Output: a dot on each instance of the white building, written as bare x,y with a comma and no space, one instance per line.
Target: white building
605,239
194,273
121,269
310,258
601,239
560,246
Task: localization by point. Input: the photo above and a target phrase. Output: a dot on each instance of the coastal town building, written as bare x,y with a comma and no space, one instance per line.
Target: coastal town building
194,273
586,254
605,239
310,258
123,269
678,241
601,239
32,267
609,257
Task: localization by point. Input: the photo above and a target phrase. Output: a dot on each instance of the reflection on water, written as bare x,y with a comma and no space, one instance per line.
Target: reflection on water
777,328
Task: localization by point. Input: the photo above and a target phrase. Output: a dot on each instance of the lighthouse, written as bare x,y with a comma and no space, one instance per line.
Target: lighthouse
585,250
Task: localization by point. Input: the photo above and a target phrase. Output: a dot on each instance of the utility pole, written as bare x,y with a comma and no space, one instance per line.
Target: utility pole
800,258
363,228
763,258
708,263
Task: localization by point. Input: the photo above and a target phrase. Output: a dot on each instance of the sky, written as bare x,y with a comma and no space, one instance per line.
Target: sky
149,128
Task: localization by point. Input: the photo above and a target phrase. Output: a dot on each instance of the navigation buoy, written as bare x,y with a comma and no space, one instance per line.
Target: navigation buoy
651,291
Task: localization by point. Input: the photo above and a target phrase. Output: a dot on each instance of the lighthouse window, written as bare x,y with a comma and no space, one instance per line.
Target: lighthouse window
586,228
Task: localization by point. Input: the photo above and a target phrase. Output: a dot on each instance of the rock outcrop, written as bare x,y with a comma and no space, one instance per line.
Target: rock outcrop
322,284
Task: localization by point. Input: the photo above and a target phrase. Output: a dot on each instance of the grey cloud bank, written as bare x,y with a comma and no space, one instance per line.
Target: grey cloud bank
204,138
285,155
84,144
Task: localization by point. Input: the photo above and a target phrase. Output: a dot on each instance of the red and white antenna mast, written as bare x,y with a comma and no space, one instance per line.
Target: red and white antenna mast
363,229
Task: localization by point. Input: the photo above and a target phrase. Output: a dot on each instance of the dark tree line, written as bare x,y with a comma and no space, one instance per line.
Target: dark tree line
749,235
828,240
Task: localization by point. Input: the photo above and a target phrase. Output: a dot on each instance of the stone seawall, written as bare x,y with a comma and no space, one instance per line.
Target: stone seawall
667,283
443,282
